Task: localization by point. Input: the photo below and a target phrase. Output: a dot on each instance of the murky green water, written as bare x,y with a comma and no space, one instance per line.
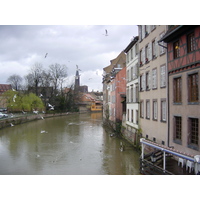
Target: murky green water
70,145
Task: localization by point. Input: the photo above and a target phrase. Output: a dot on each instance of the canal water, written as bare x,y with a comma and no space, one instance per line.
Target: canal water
69,145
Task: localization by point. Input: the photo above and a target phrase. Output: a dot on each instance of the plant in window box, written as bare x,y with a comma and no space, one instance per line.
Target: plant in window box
140,63
147,60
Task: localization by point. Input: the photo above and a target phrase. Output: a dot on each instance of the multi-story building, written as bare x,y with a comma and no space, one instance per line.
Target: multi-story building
109,86
183,47
132,92
153,83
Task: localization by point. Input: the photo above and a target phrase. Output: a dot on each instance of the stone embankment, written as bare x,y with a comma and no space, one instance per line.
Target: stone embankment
27,118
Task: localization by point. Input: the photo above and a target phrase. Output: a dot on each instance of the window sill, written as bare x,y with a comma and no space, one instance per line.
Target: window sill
155,120
162,53
154,57
193,103
147,118
193,146
163,121
177,103
177,141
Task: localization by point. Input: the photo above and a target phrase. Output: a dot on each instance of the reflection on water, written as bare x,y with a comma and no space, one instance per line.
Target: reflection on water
74,144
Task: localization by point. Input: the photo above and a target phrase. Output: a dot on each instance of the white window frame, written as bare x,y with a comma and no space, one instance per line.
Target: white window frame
154,78
148,109
155,109
163,110
163,76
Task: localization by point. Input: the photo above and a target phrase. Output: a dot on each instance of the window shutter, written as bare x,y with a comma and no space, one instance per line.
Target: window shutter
143,82
164,110
143,31
143,55
156,47
140,33
149,79
150,51
162,76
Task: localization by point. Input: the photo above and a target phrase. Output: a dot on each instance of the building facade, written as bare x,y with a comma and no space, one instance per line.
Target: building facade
132,92
153,83
109,85
183,46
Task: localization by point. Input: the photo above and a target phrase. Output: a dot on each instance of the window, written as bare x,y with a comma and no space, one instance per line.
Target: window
147,109
193,95
190,42
177,128
155,109
127,96
154,78
136,116
153,49
176,49
142,82
140,57
193,132
162,49
147,81
162,76
135,71
136,49
136,93
177,90
163,110
128,115
141,108
147,54
153,27
131,54
131,93
131,73
132,116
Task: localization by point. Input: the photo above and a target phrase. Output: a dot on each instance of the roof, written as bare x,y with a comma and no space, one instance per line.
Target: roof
4,88
175,32
130,45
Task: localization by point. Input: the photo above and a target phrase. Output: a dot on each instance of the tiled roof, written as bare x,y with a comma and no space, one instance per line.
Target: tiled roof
4,88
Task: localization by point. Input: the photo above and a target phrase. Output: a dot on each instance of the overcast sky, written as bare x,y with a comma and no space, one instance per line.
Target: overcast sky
86,46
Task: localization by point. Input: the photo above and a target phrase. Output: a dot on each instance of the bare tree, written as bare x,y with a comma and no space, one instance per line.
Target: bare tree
35,76
58,74
16,81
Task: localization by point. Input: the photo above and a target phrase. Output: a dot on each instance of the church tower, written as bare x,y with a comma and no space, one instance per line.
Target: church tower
77,79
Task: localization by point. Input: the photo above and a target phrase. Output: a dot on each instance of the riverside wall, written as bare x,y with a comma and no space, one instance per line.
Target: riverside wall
27,118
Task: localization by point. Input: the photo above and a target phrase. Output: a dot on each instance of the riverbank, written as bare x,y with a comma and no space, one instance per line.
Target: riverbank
7,122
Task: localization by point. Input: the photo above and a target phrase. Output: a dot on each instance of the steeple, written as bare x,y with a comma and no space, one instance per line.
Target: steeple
77,78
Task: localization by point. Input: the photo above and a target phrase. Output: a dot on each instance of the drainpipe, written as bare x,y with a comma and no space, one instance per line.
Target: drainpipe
168,124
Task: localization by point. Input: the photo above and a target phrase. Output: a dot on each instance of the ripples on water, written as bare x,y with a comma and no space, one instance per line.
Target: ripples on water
74,144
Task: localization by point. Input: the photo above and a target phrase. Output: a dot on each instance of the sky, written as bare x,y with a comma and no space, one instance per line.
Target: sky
84,45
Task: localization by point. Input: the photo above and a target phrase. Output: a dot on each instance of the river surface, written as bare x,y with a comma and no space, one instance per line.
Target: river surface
69,145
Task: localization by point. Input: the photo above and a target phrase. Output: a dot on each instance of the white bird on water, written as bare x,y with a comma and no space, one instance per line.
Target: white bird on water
43,131
11,124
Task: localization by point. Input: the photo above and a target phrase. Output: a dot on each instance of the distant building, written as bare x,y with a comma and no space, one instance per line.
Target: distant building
3,89
77,86
109,85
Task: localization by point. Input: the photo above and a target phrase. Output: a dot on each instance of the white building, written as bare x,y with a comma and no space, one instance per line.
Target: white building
132,89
